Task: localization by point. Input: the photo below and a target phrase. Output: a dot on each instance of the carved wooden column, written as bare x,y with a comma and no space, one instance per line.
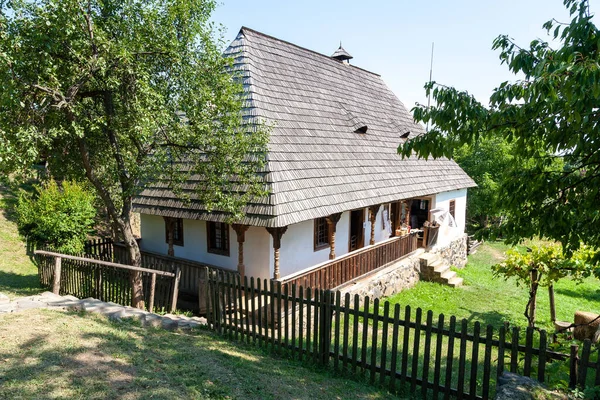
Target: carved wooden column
170,224
407,221
240,231
277,233
332,221
372,216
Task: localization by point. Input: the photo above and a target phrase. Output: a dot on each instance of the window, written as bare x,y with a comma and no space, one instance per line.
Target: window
321,234
177,230
218,238
452,208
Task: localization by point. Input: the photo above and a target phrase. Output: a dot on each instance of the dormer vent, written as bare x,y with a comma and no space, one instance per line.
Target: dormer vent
342,55
362,129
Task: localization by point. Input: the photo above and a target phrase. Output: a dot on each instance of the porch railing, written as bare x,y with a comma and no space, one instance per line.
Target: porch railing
336,272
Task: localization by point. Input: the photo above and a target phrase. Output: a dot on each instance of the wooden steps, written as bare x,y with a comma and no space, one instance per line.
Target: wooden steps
434,269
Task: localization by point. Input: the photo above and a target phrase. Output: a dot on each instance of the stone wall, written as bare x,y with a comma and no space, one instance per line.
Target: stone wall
454,253
392,279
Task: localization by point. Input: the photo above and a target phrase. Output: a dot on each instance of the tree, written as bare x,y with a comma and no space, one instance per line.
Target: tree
122,93
543,266
551,116
60,216
487,161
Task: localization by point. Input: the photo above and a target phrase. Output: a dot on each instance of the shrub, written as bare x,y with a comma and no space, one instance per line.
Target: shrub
58,216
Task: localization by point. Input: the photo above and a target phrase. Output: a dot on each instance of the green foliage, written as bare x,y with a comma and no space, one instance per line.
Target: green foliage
60,216
549,261
550,119
126,92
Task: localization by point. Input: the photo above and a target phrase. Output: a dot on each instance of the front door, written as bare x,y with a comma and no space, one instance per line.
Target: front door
357,219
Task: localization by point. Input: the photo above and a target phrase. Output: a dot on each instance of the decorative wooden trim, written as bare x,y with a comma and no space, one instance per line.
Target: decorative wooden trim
276,233
209,237
332,221
240,231
372,217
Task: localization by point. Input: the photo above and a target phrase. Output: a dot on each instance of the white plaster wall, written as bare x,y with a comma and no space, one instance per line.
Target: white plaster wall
442,200
257,246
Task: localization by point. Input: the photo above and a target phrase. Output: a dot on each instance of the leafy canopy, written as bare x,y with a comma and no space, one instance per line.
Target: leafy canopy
123,93
59,216
550,114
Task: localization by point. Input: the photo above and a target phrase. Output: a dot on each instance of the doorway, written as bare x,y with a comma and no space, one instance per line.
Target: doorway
357,219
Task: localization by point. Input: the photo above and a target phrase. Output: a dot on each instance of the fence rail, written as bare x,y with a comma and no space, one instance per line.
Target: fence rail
392,346
193,276
105,280
353,265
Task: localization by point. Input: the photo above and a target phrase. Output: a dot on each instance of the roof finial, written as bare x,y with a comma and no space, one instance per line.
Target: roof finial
341,54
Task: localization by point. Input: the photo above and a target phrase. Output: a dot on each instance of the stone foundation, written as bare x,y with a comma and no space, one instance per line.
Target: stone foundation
454,254
402,274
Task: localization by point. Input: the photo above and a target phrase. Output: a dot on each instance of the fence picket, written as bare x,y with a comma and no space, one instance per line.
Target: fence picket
346,332
450,357
374,340
462,359
585,359
514,351
259,312
542,356
438,356
427,354
336,345
474,361
394,357
406,322
384,342
414,370
365,334
501,345
528,351
355,333
294,320
301,324
487,362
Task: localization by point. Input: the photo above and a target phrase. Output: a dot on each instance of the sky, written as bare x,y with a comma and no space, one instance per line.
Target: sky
393,37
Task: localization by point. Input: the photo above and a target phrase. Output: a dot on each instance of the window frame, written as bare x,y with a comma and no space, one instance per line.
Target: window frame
177,231
452,208
211,228
317,246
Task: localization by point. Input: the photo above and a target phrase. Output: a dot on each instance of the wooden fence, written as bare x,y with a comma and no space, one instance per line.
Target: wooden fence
399,348
193,276
107,281
343,269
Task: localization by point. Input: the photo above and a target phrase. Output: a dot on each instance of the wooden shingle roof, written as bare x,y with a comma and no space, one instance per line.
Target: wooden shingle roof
318,161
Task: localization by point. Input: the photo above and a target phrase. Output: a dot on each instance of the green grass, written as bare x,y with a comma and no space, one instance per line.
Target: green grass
18,274
51,354
494,300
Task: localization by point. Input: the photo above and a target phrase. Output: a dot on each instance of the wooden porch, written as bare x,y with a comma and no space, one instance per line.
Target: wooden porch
336,272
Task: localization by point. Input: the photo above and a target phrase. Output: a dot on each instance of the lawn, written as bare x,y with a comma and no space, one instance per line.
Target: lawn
51,354
18,274
493,300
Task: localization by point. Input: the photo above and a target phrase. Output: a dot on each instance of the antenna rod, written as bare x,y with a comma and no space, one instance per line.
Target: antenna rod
430,79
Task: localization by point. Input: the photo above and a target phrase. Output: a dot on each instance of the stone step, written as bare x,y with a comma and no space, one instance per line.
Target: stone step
455,282
440,270
448,275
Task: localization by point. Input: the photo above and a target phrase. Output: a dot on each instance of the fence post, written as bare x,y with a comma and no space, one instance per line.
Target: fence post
176,289
152,291
573,366
56,283
325,326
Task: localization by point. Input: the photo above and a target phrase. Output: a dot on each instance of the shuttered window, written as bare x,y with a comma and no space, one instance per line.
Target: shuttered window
177,231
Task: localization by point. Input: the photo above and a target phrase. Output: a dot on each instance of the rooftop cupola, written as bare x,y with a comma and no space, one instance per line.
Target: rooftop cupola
342,55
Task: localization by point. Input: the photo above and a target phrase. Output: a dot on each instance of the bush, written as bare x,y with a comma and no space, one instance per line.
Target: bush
58,216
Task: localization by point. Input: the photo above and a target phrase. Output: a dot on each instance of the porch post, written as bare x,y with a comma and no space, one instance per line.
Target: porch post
372,216
332,221
170,225
407,221
277,233
240,231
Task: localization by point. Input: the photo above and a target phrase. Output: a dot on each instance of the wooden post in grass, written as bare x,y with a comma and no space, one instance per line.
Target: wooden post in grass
152,291
552,304
176,289
56,283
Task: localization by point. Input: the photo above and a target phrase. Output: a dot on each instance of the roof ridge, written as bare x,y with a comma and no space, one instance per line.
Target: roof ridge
303,48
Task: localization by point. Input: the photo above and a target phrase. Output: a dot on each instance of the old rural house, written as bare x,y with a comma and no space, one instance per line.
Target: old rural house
337,184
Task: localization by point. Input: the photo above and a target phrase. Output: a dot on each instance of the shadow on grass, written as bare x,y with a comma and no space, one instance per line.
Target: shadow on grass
494,318
588,293
104,359
20,285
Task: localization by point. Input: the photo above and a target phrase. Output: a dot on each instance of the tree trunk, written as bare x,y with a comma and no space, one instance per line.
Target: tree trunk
531,305
135,256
